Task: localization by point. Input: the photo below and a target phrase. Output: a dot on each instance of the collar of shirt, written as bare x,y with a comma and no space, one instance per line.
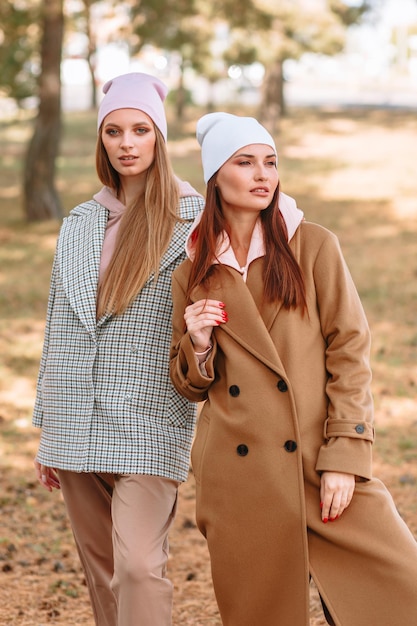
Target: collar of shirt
226,256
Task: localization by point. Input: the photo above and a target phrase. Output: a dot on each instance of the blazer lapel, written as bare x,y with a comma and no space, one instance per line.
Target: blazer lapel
176,246
188,209
79,250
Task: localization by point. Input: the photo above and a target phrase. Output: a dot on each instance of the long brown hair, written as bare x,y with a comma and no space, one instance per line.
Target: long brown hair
283,279
145,229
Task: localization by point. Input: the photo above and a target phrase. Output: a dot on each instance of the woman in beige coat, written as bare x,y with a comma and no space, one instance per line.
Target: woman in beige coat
277,344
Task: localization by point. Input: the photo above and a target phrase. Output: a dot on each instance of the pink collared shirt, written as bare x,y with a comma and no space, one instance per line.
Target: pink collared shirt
226,256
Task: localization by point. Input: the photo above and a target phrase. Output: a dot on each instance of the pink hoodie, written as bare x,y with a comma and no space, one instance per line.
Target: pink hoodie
106,198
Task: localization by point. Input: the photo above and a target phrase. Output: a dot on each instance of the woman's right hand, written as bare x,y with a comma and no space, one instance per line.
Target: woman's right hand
200,318
47,476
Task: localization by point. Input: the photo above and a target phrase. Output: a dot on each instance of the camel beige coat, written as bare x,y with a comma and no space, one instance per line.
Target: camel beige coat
288,397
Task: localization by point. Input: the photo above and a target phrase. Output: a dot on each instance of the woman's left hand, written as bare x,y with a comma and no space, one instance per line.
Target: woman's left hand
336,492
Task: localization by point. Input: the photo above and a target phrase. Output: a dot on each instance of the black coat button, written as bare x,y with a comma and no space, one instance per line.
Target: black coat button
234,391
282,386
290,445
242,449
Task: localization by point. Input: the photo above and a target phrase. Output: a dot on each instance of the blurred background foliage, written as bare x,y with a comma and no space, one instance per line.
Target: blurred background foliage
196,45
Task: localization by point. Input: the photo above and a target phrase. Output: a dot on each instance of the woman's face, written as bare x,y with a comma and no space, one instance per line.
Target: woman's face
248,180
128,136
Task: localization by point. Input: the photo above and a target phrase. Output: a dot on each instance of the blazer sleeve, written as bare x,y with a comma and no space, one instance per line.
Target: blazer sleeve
348,430
185,372
38,410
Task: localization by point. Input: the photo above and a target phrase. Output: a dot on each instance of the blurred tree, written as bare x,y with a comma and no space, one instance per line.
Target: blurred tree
19,39
181,27
81,21
90,31
88,17
272,32
41,200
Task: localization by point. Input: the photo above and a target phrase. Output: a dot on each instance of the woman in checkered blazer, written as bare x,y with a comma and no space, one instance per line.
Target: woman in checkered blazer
115,435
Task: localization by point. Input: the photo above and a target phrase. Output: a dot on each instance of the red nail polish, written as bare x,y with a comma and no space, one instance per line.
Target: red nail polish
222,305
325,520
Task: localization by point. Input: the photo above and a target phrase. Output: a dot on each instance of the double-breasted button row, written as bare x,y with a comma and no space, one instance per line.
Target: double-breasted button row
242,449
235,391
290,446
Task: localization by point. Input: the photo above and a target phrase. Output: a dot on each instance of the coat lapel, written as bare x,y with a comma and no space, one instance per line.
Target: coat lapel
79,250
268,311
249,319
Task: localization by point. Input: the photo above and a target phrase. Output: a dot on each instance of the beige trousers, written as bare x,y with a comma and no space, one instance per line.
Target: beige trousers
120,525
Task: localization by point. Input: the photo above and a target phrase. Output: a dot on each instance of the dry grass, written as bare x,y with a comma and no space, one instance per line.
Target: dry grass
352,172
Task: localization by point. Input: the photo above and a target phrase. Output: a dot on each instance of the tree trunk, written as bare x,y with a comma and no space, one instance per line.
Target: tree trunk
272,106
41,200
181,95
91,53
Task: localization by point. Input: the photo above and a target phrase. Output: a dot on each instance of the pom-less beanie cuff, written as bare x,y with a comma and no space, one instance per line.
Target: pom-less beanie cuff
135,91
220,135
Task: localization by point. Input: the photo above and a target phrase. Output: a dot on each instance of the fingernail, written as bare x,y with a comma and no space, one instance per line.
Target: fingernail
325,520
224,315
222,305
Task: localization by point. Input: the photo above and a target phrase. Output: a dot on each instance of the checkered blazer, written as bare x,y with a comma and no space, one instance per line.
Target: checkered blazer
104,399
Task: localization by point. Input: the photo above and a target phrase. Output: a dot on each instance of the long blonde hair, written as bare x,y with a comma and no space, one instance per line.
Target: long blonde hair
144,233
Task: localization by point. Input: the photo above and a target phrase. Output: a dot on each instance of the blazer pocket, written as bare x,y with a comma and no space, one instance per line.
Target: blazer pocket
199,446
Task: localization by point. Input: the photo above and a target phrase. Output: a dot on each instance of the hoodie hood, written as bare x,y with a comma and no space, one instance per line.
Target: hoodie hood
106,196
293,216
186,189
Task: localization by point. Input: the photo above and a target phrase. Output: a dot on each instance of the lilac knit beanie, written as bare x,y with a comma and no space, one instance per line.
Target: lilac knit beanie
135,91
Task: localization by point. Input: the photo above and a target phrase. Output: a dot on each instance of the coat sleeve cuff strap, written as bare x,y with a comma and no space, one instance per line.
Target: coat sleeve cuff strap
348,428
